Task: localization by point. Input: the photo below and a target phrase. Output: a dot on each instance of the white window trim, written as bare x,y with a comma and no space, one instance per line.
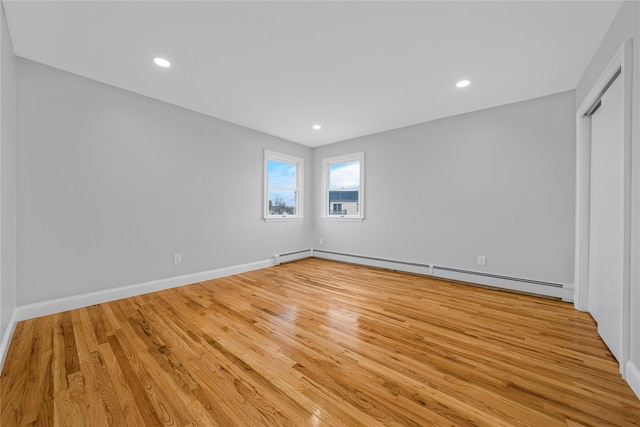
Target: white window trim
325,187
299,162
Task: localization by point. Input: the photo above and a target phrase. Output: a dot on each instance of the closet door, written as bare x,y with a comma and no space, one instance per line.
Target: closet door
606,226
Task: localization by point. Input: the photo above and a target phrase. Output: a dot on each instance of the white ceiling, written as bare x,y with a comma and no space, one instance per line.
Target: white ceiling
356,68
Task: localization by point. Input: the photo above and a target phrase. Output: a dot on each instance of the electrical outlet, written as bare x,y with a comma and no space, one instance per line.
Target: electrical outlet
321,241
482,260
177,258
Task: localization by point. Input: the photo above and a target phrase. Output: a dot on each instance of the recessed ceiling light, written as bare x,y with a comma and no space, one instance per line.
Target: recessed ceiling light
317,127
463,83
162,62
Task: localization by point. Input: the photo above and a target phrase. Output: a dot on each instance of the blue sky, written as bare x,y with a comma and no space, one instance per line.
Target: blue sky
344,176
282,174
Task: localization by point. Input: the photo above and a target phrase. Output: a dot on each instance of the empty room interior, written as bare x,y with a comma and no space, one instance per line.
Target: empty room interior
331,213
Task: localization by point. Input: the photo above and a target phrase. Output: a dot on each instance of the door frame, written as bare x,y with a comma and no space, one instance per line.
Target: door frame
621,61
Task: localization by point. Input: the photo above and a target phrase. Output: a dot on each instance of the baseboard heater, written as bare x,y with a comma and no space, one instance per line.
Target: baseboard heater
556,290
292,256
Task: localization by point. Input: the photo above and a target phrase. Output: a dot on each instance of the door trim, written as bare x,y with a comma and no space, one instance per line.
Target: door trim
621,61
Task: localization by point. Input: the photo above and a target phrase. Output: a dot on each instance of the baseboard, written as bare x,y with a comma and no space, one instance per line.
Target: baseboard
45,308
633,377
292,256
555,290
508,283
6,338
407,267
30,311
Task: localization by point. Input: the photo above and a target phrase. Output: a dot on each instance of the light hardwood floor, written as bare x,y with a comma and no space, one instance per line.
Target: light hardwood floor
316,343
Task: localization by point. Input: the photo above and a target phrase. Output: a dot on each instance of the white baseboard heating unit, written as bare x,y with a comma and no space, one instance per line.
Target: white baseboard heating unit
538,287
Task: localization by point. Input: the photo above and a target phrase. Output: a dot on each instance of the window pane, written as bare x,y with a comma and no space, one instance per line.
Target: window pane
282,202
283,186
282,174
344,188
344,176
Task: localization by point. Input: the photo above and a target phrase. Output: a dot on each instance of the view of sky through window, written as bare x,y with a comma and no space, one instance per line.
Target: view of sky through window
282,183
344,176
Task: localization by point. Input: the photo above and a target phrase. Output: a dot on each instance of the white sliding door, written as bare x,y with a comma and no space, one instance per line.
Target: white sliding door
606,228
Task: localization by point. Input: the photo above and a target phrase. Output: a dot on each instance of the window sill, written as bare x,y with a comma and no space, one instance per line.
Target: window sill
343,218
282,218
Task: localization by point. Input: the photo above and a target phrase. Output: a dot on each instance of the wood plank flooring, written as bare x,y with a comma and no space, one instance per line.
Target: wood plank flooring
316,343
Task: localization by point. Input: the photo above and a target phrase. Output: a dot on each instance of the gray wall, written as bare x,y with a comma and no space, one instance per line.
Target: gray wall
111,184
8,283
497,182
626,26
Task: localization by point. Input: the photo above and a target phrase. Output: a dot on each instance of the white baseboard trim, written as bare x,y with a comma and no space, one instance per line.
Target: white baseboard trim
507,283
406,267
292,256
633,377
6,338
563,291
45,308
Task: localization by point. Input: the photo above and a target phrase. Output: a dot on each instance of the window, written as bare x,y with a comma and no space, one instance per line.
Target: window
282,186
343,187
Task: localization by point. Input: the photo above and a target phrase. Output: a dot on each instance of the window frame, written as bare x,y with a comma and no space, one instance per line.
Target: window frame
326,176
299,163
